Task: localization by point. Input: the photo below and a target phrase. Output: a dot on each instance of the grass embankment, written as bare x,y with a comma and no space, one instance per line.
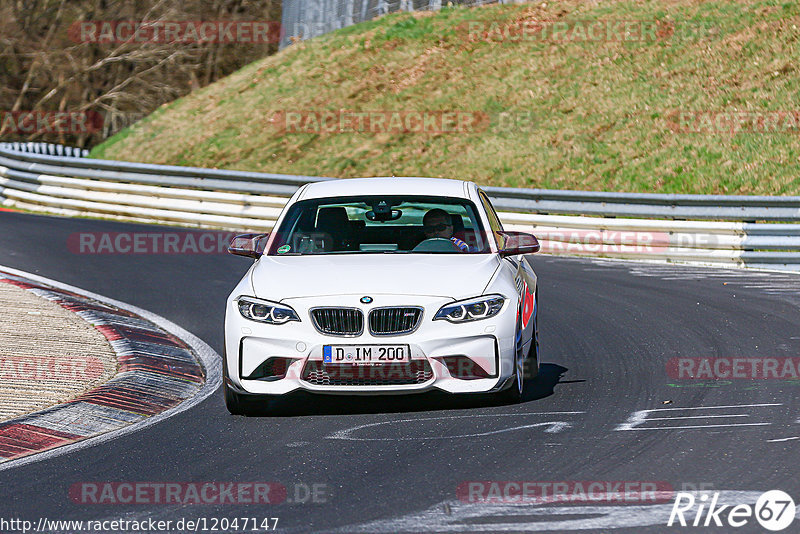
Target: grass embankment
554,108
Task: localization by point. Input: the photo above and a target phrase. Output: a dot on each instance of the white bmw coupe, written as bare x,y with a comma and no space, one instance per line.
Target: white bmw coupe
382,286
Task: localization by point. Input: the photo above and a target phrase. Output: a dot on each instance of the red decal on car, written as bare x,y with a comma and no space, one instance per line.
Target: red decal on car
527,307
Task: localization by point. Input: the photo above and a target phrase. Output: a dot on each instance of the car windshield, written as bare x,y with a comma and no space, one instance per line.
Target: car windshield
380,225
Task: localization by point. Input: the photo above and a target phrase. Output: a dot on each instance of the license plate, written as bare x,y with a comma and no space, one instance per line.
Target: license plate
365,354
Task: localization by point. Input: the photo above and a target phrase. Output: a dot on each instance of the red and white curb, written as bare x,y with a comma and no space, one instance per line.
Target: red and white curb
163,370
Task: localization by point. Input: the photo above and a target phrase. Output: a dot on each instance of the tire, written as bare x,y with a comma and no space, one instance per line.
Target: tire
513,394
234,402
532,361
524,369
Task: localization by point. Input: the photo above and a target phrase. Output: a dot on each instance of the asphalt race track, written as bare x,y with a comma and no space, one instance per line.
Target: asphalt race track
608,330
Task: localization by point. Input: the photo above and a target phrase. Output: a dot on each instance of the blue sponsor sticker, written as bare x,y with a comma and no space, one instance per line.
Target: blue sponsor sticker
326,354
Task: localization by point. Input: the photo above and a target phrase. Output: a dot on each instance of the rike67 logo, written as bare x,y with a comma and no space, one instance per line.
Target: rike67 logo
774,510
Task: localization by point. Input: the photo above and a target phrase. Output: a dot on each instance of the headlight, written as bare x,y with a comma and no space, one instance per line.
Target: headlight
472,309
265,311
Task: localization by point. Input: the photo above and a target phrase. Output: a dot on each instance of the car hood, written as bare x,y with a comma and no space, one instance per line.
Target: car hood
446,275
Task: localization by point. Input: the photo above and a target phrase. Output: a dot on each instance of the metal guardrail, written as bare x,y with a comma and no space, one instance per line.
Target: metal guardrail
610,204
726,230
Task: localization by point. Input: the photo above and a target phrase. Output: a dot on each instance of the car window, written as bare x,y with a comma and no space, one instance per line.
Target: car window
494,221
380,224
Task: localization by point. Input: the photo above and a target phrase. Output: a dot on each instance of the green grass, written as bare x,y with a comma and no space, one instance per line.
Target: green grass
591,115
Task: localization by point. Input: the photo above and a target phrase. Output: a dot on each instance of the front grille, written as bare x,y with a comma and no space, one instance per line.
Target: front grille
338,321
389,374
394,321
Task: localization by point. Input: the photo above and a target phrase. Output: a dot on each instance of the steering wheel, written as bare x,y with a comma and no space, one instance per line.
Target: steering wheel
436,244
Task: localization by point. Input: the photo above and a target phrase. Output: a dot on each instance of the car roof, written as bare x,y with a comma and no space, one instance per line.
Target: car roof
437,187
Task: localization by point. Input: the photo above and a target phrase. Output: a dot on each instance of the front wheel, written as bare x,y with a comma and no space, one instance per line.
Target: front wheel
532,361
239,404
513,395
234,402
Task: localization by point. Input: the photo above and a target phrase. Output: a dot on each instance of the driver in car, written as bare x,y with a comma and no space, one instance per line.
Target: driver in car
437,223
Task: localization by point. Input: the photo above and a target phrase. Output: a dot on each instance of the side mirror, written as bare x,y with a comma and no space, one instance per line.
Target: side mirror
249,245
516,243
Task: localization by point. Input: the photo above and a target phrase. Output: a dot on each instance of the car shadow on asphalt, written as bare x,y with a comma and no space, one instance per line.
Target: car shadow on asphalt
544,385
305,404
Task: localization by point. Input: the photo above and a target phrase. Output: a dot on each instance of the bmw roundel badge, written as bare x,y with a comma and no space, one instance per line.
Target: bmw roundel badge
366,300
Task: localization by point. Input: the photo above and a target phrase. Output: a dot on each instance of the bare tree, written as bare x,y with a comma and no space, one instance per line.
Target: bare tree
47,64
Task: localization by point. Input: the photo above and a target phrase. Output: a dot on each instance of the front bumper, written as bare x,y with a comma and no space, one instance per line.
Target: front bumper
488,346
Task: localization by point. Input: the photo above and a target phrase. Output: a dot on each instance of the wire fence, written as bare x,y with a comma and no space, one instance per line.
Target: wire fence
48,149
304,19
